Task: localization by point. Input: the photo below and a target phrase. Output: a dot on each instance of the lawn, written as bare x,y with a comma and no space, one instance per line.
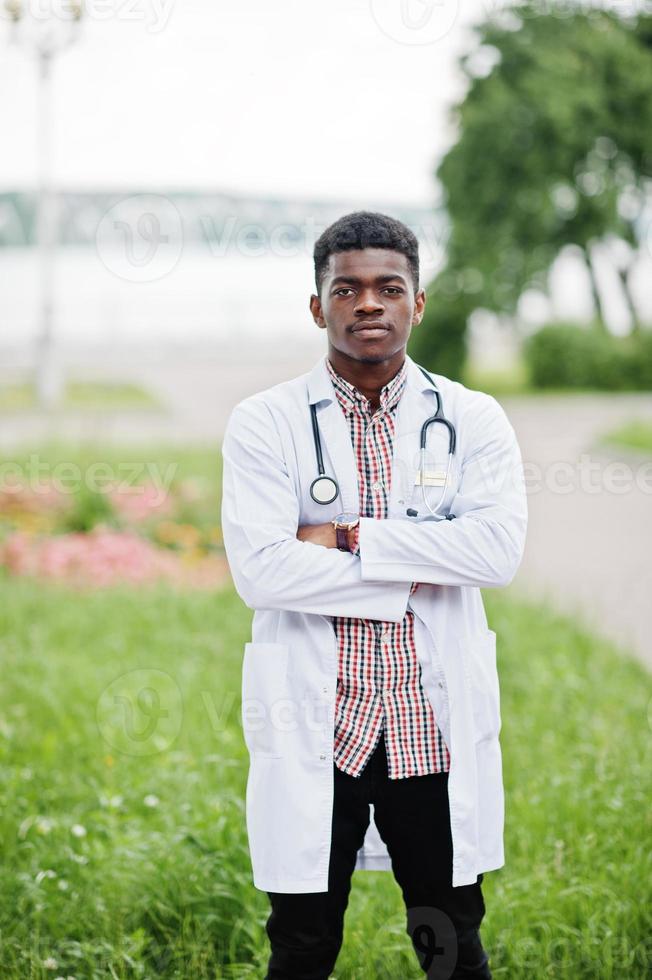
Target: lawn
19,396
122,817
636,434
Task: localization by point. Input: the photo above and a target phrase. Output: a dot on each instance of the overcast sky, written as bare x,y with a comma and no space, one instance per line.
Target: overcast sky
327,98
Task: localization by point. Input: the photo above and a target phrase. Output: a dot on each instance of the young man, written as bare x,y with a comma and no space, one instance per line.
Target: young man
370,685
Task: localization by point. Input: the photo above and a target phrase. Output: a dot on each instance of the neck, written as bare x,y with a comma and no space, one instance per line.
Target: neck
368,378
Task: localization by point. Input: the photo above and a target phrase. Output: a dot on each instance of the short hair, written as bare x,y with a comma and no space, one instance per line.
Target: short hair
366,229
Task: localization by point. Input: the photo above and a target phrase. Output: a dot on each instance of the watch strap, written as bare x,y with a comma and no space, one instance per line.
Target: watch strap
342,538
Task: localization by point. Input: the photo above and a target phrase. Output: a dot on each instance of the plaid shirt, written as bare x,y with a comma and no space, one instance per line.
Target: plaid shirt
379,676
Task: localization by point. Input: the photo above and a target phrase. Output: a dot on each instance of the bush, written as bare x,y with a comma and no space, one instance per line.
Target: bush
562,355
439,342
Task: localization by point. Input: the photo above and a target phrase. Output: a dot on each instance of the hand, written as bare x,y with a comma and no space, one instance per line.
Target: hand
323,534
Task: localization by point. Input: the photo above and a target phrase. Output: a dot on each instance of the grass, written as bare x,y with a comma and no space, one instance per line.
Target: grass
91,465
160,883
102,395
514,381
636,435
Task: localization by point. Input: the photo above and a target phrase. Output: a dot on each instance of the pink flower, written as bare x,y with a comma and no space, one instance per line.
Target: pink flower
138,503
106,557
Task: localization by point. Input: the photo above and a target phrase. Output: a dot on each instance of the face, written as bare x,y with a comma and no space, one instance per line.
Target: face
367,304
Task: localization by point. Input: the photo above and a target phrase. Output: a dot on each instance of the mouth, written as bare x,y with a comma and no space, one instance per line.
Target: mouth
371,329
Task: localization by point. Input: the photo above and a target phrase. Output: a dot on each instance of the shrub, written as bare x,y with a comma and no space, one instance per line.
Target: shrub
562,355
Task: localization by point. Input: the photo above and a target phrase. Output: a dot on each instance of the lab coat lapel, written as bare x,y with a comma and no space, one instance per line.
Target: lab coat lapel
417,403
337,449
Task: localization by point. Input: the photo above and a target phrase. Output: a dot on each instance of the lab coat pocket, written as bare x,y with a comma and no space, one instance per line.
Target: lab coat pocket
482,674
264,698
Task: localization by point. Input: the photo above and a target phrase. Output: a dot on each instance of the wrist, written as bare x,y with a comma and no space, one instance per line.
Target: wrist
344,525
353,539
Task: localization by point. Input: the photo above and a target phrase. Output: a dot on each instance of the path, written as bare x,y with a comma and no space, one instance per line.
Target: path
589,548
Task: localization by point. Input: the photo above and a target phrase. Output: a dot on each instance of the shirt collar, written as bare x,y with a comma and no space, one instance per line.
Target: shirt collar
352,400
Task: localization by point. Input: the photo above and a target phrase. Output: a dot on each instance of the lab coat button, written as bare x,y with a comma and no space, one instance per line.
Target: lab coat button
322,756
325,690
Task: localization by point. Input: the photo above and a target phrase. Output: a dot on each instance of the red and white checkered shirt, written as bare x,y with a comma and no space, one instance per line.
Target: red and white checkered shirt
379,675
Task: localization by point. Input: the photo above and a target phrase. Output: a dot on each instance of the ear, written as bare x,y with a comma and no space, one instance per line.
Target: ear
419,307
317,312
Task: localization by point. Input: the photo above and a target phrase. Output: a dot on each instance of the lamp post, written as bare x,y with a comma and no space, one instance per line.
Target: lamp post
46,29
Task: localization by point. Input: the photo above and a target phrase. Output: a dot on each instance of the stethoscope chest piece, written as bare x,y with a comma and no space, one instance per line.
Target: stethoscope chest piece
323,490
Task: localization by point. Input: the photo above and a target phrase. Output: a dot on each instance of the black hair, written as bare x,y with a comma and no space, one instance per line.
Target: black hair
366,229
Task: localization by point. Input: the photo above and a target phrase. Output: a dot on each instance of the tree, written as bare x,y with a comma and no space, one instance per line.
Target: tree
554,148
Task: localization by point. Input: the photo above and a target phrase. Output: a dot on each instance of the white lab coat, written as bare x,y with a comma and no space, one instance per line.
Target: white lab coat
295,587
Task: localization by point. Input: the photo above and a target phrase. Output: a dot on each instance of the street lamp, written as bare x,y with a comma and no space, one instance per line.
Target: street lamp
46,29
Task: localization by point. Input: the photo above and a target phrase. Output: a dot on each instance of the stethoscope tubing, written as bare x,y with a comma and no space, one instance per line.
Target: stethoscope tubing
437,417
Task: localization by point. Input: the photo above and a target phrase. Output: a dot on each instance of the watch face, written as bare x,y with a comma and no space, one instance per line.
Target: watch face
346,518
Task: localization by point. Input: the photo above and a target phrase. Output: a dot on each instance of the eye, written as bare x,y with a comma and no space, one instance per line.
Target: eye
343,290
393,290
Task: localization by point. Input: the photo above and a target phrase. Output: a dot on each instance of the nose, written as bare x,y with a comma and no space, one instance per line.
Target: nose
368,302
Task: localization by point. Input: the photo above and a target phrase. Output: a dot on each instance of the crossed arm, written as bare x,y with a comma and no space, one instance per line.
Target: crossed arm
278,564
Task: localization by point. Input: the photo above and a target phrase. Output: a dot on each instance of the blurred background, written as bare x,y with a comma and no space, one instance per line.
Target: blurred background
166,168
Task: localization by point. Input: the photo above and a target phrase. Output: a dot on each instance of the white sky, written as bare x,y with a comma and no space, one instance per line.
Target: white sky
325,98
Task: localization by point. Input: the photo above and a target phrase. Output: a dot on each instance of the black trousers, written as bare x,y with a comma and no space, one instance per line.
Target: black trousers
412,816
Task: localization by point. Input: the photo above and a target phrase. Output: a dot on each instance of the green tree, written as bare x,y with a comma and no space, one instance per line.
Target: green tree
554,148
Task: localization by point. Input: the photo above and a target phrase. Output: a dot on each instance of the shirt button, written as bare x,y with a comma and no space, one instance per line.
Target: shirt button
376,486
385,636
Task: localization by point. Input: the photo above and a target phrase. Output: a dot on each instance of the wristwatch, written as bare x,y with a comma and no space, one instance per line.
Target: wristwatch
344,523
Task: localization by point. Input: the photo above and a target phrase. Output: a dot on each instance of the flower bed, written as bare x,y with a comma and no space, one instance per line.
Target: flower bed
92,539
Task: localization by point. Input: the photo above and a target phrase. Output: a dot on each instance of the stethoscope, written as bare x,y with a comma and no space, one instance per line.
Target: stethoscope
324,489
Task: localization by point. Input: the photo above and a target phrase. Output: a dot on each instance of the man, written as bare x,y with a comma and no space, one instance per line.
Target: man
370,684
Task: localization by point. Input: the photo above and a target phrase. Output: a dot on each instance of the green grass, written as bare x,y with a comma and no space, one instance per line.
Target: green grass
76,466
107,395
636,434
515,381
166,890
